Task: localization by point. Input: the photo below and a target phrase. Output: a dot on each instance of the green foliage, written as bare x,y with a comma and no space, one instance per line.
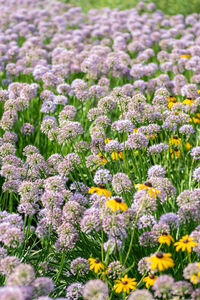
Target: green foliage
171,7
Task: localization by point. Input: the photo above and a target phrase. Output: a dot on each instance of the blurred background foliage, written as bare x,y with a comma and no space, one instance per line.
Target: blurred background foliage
171,7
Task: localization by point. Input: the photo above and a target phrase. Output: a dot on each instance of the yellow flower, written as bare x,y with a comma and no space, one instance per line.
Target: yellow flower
188,101
150,280
95,265
188,146
165,238
162,261
194,120
116,204
135,130
153,136
185,56
148,186
175,141
100,190
171,101
198,115
103,275
103,159
185,243
195,278
107,140
198,91
125,284
117,155
175,152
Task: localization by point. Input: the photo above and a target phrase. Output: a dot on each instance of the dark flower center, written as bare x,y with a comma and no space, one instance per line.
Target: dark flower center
151,276
165,233
124,282
175,138
118,200
159,255
101,186
185,241
147,183
176,149
97,261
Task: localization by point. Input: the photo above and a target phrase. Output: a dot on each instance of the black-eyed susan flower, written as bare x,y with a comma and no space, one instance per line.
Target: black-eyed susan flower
171,101
125,284
107,140
117,155
188,101
150,279
195,120
103,159
100,190
175,141
175,152
187,56
148,186
165,238
186,243
161,261
96,265
116,204
188,146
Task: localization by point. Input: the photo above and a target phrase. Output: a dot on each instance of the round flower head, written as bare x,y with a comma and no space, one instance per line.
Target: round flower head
23,274
74,291
125,284
11,293
163,286
182,289
43,286
114,269
156,171
95,290
121,183
136,141
79,266
192,272
140,295
195,153
161,261
196,174
170,219
102,176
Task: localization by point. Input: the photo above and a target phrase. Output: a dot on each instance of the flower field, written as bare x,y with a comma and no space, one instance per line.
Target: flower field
99,153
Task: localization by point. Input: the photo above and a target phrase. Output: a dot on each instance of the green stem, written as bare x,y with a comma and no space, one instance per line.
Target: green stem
61,266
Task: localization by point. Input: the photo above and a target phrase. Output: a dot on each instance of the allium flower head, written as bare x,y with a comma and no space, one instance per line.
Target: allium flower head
95,290
74,291
121,183
140,295
102,176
